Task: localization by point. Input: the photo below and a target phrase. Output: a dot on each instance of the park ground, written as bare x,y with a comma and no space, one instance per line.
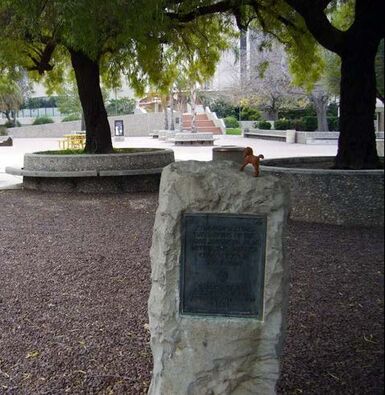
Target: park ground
75,280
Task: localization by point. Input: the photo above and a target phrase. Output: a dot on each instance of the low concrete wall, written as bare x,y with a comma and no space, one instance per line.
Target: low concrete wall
50,130
340,197
135,125
304,137
248,124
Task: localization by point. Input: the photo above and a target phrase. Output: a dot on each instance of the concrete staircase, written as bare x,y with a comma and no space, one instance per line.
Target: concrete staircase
203,124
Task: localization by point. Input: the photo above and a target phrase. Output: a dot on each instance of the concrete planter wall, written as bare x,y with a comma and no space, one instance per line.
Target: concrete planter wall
112,173
145,159
340,197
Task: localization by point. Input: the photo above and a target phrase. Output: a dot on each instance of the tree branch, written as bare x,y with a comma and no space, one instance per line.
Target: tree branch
42,63
319,25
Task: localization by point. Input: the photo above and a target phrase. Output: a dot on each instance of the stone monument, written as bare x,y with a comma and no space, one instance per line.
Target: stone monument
219,281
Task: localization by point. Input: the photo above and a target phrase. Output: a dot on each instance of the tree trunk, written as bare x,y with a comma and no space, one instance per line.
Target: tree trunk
172,126
166,125
357,143
98,132
194,111
320,100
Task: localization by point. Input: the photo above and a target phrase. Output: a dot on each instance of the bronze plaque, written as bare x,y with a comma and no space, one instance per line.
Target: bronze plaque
223,265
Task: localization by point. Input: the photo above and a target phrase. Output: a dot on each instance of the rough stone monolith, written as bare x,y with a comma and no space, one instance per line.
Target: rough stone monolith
216,355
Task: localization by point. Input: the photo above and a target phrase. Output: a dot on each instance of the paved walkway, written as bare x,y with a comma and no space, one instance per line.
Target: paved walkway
13,156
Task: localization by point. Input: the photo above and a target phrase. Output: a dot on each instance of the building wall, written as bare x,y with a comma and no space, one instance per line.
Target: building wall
135,125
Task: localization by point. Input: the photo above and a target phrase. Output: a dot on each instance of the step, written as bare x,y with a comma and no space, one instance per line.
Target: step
201,117
211,129
199,122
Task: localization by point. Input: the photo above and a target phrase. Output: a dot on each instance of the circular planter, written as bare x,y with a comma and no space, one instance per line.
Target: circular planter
340,197
103,173
230,152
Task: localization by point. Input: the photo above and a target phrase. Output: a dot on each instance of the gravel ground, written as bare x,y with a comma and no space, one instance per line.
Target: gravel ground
75,279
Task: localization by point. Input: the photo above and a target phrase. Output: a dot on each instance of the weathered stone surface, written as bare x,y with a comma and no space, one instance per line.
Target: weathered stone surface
195,355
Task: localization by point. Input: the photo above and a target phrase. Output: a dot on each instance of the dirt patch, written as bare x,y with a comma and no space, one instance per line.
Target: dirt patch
75,279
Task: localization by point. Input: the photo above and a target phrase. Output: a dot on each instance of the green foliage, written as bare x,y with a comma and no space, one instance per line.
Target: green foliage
224,109
69,102
282,124
121,106
334,124
250,114
310,124
264,125
306,123
3,131
295,113
150,51
40,102
11,96
231,122
42,121
71,118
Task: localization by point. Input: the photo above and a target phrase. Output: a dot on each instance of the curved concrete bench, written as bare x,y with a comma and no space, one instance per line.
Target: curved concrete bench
113,173
265,135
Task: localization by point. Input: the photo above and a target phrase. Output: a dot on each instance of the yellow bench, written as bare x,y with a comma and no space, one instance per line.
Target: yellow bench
73,141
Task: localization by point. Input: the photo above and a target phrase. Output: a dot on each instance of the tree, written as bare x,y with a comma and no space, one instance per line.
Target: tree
380,72
11,96
270,85
102,38
120,106
301,25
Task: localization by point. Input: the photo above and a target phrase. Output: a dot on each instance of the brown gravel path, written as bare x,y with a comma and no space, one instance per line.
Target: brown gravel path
74,283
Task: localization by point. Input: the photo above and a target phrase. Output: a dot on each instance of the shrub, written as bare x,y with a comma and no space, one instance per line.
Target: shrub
3,131
310,123
231,122
298,124
224,109
250,114
297,113
264,125
283,124
71,117
334,124
42,121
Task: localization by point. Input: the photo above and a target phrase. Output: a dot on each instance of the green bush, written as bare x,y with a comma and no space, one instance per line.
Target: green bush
231,122
297,113
298,124
71,117
250,114
42,121
310,124
3,131
283,124
264,125
334,124
224,109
